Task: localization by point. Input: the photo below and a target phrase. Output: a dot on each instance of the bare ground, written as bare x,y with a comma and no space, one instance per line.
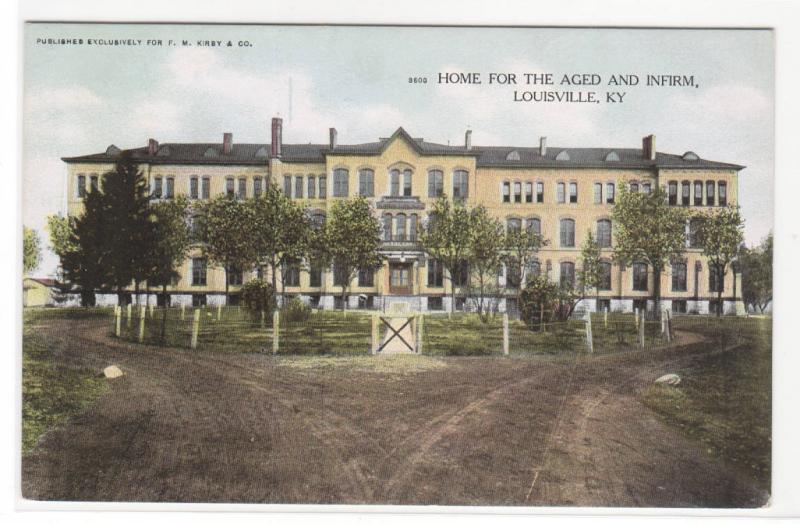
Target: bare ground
201,427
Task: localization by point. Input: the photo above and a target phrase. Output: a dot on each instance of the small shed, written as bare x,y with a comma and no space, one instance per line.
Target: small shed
38,292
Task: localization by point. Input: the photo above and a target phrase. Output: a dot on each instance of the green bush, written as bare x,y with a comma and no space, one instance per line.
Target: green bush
257,296
295,311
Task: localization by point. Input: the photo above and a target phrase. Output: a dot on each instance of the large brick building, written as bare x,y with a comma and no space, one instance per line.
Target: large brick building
562,192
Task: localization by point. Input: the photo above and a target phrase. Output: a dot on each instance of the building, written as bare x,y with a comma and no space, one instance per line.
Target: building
38,292
561,192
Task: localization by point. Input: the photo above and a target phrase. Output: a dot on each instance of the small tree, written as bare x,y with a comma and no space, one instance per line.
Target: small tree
257,296
31,249
446,237
590,276
352,237
521,248
756,264
486,253
720,235
537,299
649,230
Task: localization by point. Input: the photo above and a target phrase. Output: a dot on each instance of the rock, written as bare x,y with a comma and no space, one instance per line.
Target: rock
671,379
112,372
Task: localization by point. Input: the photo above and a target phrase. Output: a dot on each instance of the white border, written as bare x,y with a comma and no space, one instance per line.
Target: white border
782,15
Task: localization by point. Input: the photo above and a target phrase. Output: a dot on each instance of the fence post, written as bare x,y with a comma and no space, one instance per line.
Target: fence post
505,333
641,332
276,318
130,315
605,318
141,324
183,311
589,340
636,316
374,338
264,318
420,327
195,328
668,322
219,311
117,320
150,310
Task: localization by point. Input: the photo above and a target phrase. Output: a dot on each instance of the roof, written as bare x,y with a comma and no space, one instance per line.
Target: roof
486,156
49,282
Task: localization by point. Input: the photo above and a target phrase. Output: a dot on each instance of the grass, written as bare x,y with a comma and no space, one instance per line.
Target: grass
50,393
724,400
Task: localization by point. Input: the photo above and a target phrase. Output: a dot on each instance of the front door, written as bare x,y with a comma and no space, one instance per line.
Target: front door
400,278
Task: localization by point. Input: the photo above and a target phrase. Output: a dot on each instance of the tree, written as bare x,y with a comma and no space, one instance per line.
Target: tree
226,229
756,264
282,231
720,235
485,255
62,242
169,247
81,245
591,273
521,248
649,230
31,249
446,237
352,237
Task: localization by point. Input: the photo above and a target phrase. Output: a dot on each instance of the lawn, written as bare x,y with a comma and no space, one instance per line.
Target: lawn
724,400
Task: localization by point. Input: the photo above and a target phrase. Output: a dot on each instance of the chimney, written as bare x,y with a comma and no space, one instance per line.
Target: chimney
152,147
649,147
543,146
227,143
277,137
333,138
468,139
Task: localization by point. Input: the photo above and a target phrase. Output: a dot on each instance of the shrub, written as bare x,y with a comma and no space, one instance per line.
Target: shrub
295,311
257,296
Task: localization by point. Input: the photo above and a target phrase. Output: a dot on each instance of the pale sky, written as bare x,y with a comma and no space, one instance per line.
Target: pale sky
79,99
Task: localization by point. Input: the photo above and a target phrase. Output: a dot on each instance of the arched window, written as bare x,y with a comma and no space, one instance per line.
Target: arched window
710,193
460,184
679,276
312,187
604,232
529,192
672,192
517,192
539,192
698,192
340,183
610,193
567,275
715,279
695,240
639,276
400,227
407,183
722,197
513,224
560,192
435,183
567,232
605,276
685,190
573,192
318,220
506,192
598,193
394,182
533,270
323,186
534,225
387,227
81,186
412,227
366,183
646,188
634,187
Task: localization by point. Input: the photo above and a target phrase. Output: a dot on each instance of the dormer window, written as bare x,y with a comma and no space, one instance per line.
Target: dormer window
562,156
612,157
690,155
513,156
211,153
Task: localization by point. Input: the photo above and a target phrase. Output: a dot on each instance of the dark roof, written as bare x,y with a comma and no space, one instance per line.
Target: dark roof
49,282
486,156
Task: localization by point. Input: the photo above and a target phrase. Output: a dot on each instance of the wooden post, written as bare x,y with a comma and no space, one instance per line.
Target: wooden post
130,314
589,341
183,311
641,333
195,328
117,320
264,318
636,316
150,310
605,318
276,317
668,322
374,338
505,334
219,311
420,328
141,324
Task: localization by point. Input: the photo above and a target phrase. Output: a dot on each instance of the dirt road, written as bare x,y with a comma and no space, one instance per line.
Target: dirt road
203,427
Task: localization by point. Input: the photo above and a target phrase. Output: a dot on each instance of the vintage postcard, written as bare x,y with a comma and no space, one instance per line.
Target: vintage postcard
397,265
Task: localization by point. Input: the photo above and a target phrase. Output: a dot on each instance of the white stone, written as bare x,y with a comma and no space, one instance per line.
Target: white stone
671,379
112,372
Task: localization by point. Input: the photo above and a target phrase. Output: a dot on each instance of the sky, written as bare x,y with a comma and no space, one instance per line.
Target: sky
79,99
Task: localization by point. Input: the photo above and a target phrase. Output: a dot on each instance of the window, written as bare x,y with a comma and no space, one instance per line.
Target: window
199,269
399,277
603,304
528,192
435,273
315,274
311,191
539,192
199,300
323,186
407,183
387,227
461,278
234,276
169,190
241,192
506,191
257,187
318,220
435,304
460,184
400,226
723,193
287,185
634,187
340,276
567,275
679,276
205,188
567,232
605,276
513,273
412,227
193,188
81,186
639,276
435,183
291,273
695,240
534,225
366,183
598,193
646,188
610,193
517,192
698,193
158,184
533,270
604,232
298,187
573,192
710,193
714,307
461,303
229,189
560,198
679,306
93,182
715,281
513,224
394,182
685,190
673,193
340,183
366,277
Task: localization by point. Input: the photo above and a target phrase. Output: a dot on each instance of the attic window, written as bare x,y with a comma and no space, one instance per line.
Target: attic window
513,155
690,155
163,151
112,150
563,155
211,153
612,157
262,152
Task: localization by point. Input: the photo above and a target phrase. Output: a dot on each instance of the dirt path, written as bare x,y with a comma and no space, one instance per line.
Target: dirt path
183,426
